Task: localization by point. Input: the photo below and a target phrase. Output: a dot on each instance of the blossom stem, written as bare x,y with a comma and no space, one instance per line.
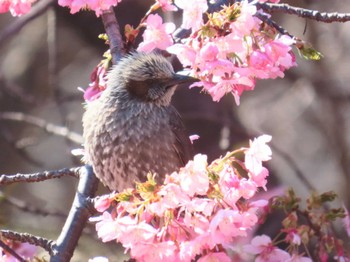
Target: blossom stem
114,36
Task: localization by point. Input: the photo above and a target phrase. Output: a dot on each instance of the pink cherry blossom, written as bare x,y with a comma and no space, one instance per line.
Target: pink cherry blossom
192,13
227,224
234,85
107,227
209,52
292,236
266,251
215,257
193,213
164,251
16,7
193,177
98,259
135,232
102,203
233,188
96,5
98,83
189,249
166,5
246,21
193,138
259,177
157,34
278,50
172,196
256,154
186,54
197,222
230,62
346,221
202,205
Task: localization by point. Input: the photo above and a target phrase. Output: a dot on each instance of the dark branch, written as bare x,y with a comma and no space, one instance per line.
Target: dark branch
294,166
305,13
265,18
28,238
41,123
115,39
9,250
15,27
24,206
37,177
79,214
7,136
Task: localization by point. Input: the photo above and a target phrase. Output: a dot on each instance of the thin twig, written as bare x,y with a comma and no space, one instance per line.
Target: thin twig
305,13
115,39
48,127
7,136
40,176
265,18
28,238
15,27
295,167
26,207
12,252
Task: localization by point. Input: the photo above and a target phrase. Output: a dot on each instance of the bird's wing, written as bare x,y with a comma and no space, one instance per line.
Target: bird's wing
182,145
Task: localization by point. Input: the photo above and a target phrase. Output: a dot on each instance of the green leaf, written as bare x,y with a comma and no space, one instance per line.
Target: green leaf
310,53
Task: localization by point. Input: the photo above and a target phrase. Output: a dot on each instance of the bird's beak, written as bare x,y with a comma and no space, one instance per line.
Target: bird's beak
178,79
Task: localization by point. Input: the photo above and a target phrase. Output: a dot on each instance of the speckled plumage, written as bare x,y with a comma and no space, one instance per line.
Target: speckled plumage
132,128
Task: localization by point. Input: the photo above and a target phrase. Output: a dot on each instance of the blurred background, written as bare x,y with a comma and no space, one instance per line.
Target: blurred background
42,64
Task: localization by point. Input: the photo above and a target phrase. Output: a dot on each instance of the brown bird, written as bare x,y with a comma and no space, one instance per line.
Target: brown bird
132,129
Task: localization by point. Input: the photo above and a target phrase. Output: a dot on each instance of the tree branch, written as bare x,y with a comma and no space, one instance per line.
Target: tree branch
265,18
305,13
26,207
48,127
79,214
40,176
9,250
15,27
28,238
115,39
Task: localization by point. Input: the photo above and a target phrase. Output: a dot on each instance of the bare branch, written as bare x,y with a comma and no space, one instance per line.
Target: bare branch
115,39
28,238
48,127
15,27
9,250
26,207
305,13
294,166
9,139
37,177
270,22
79,214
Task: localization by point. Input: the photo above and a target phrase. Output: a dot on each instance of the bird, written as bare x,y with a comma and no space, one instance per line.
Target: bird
132,128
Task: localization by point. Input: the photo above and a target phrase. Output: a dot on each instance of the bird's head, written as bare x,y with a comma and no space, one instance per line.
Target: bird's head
148,77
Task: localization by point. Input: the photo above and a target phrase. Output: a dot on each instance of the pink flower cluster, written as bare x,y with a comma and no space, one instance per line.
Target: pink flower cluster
232,50
198,212
166,5
266,251
157,34
96,5
16,7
